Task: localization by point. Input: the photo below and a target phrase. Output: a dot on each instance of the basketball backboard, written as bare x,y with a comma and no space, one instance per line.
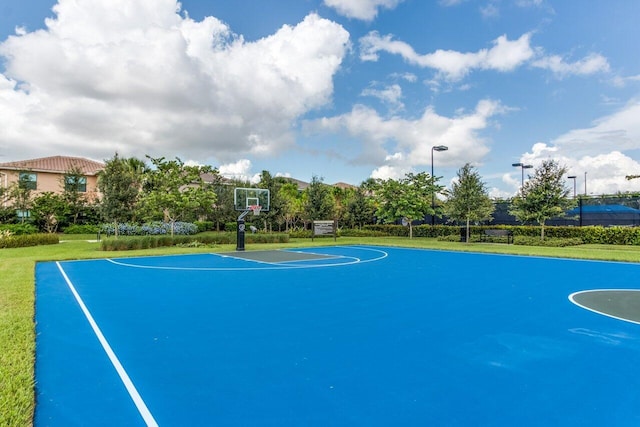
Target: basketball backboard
243,198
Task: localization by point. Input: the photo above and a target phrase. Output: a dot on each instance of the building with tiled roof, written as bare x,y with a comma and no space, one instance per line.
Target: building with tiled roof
56,164
47,174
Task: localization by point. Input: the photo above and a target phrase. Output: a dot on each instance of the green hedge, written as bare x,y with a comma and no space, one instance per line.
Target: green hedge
205,226
24,240
589,234
555,242
207,239
418,230
19,229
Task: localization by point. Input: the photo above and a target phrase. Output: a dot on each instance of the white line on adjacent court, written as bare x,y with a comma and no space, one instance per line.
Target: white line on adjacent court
572,298
133,392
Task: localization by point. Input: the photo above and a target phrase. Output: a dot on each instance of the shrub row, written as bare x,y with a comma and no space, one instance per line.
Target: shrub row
203,226
344,232
24,240
589,234
555,242
19,229
208,239
150,229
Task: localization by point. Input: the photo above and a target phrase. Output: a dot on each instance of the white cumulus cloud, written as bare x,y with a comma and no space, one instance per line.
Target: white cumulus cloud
396,145
390,95
504,56
140,78
240,170
602,151
591,64
365,10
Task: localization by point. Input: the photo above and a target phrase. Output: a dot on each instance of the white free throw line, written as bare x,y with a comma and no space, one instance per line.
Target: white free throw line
135,396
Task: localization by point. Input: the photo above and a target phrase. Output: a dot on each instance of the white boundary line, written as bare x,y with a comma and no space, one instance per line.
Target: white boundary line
135,396
268,266
572,299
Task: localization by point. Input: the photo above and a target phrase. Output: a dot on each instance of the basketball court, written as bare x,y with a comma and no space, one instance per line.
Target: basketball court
340,336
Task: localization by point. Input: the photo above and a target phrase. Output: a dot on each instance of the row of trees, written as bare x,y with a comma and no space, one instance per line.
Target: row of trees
136,191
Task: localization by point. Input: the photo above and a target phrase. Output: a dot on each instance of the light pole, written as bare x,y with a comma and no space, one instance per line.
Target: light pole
573,177
433,194
522,167
585,184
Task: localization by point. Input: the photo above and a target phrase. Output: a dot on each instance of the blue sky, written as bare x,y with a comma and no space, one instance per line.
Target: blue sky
341,89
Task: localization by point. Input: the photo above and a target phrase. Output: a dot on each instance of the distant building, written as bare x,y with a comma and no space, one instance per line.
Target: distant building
345,186
46,174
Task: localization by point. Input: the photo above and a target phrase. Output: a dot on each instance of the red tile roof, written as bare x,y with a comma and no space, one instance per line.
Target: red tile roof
57,164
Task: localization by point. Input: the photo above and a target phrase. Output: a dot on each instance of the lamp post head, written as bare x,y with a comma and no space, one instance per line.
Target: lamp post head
572,177
527,166
440,148
516,165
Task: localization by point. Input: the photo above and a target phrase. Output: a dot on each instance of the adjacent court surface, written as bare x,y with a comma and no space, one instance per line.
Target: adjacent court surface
337,336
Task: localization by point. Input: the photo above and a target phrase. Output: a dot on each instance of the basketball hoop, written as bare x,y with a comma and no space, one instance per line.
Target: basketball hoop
255,209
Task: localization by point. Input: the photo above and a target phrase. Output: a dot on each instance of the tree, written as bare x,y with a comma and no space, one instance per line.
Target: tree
292,205
360,210
175,190
543,196
74,184
223,210
48,209
342,198
468,199
277,204
120,187
408,198
320,203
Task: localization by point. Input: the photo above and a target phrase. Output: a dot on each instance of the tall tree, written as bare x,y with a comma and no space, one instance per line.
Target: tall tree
222,210
342,198
120,186
292,205
360,210
468,199
320,204
543,196
408,198
275,215
74,184
48,210
175,190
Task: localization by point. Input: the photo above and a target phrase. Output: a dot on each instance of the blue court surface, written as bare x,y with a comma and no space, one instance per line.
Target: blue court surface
333,336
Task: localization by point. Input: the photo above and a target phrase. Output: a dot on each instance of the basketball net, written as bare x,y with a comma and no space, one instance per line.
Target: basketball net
255,209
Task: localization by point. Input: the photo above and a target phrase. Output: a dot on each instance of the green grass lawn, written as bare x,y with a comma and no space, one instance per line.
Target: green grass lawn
17,335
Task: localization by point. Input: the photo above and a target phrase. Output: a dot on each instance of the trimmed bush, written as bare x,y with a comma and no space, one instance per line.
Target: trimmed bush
208,239
204,226
20,229
151,228
24,240
589,234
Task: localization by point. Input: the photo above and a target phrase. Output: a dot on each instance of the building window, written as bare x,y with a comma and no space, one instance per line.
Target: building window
76,183
23,214
28,181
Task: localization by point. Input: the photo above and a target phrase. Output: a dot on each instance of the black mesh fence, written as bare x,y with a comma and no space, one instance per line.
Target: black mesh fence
607,211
